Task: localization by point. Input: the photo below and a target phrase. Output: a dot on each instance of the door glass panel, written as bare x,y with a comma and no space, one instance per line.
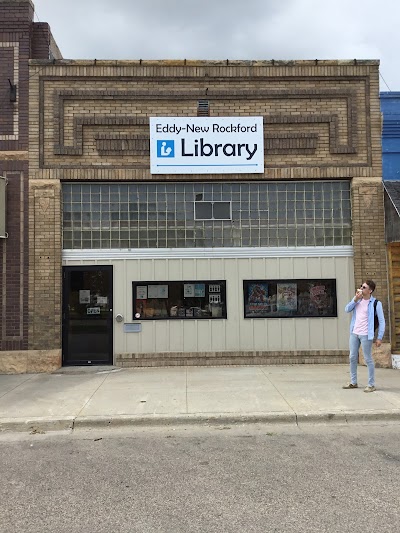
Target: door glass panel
88,324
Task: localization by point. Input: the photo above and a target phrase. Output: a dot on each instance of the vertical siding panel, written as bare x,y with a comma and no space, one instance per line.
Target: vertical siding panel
302,330
161,335
147,336
288,329
260,334
331,268
300,264
188,269
246,335
119,305
258,269
190,343
285,268
161,270
234,298
176,334
274,334
217,335
204,336
146,270
272,268
174,269
202,269
316,334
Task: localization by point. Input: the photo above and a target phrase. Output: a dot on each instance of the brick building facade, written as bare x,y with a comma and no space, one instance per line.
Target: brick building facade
21,39
314,218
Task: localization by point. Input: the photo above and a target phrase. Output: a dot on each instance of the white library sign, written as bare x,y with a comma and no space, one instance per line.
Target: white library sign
206,145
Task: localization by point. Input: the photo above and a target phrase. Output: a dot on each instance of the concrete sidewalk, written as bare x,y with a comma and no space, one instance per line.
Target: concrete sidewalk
94,397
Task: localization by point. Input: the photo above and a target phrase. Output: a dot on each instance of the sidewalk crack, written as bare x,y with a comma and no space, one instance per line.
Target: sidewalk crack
16,386
94,392
280,394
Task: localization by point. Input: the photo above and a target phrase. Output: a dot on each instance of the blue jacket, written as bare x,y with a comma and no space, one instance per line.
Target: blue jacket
352,306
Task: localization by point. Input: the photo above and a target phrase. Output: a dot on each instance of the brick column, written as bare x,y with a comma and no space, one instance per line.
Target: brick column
45,260
370,260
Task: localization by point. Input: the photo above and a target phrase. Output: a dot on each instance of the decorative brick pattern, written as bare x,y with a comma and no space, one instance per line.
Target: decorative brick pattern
290,143
14,262
98,119
108,144
9,68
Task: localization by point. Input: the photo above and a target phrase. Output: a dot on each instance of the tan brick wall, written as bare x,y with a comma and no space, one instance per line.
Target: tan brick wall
45,261
370,259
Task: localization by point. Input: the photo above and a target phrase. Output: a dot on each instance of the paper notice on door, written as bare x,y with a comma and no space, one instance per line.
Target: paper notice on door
84,296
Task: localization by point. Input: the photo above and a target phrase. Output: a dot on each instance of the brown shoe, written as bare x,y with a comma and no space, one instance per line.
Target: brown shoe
350,386
370,389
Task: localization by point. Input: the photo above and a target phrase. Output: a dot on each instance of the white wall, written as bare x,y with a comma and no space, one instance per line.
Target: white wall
234,333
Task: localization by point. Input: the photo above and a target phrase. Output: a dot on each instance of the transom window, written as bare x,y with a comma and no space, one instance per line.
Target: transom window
205,215
212,210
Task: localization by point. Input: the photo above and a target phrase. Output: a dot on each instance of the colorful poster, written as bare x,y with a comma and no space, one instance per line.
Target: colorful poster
286,296
320,301
257,301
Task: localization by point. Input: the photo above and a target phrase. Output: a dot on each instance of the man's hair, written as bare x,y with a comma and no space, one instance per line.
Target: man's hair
371,284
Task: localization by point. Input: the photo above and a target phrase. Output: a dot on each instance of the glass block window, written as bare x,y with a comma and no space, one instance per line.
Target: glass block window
190,215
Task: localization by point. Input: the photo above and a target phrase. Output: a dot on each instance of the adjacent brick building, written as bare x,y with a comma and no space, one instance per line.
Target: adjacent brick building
134,268
21,39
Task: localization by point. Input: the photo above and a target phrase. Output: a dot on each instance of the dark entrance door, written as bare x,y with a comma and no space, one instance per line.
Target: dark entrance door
87,315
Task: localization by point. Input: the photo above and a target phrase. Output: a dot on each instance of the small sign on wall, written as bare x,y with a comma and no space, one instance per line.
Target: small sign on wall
132,328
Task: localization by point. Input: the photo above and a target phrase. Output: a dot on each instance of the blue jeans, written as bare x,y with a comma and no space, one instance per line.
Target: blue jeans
354,343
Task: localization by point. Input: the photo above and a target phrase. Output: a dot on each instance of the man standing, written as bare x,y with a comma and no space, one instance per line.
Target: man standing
362,332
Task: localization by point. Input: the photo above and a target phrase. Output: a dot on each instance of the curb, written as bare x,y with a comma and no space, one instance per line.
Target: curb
37,424
168,420
71,423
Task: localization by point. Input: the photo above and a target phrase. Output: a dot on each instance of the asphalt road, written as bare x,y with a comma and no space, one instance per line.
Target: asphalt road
203,479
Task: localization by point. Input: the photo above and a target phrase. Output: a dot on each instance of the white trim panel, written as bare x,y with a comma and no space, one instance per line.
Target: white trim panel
193,253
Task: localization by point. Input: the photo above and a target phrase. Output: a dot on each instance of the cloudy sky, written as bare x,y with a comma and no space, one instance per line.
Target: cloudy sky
228,29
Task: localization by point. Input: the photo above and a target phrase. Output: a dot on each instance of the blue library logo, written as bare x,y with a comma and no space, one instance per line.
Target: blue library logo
165,149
